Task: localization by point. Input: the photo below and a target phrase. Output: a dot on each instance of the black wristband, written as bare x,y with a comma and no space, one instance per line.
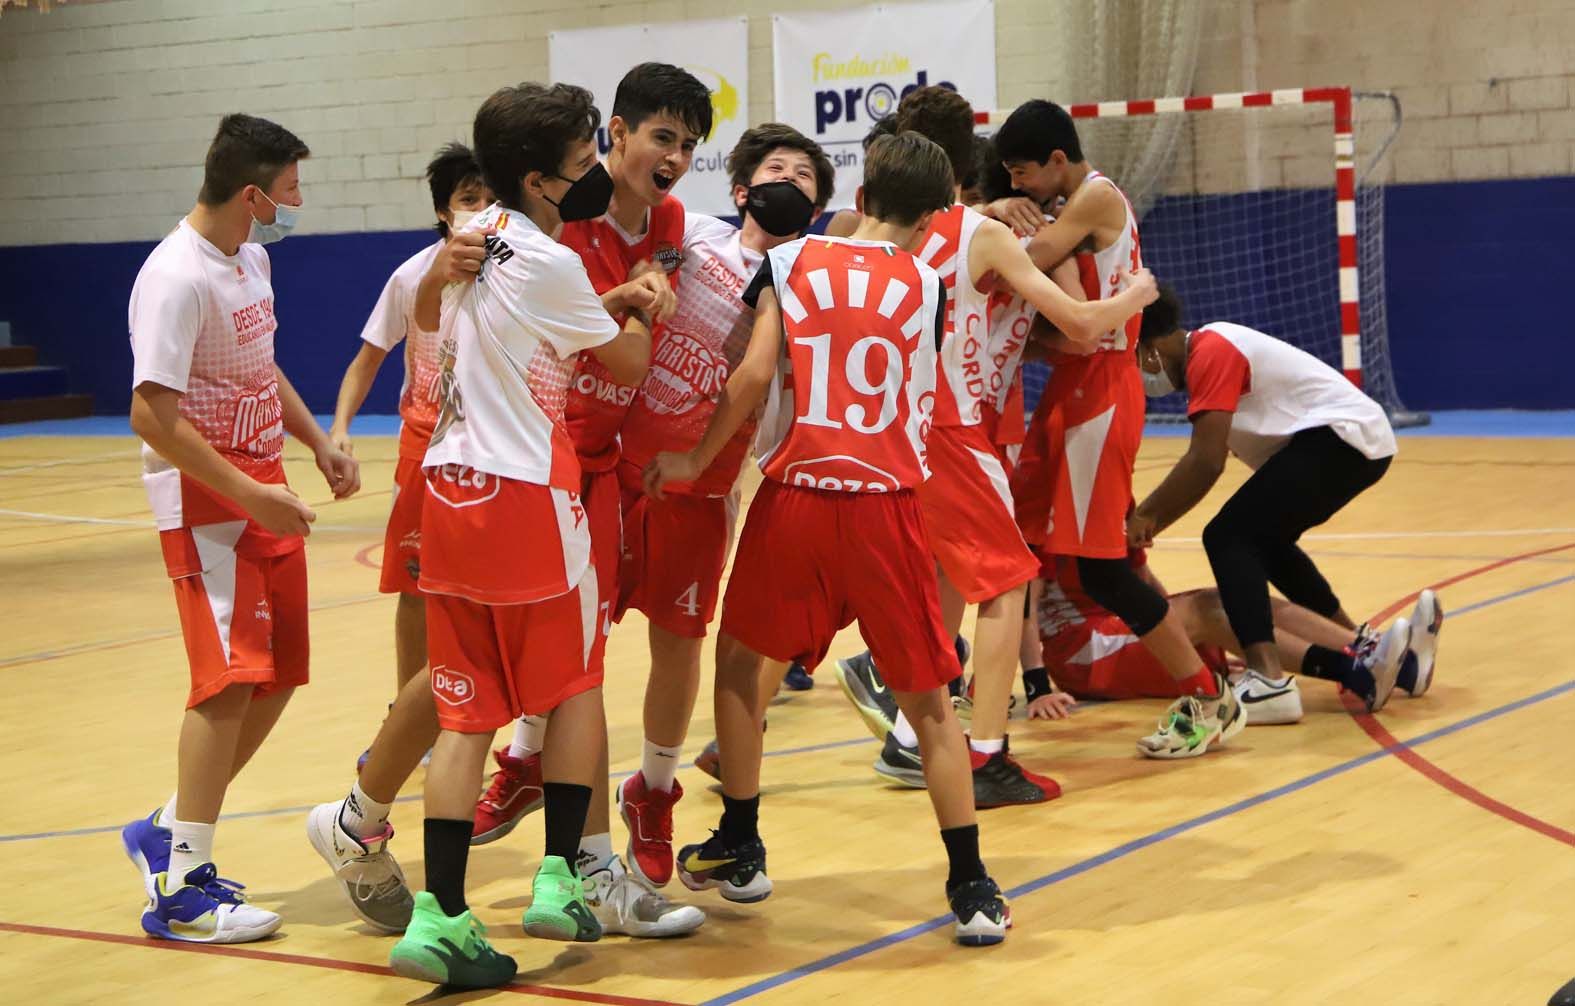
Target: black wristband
1036,683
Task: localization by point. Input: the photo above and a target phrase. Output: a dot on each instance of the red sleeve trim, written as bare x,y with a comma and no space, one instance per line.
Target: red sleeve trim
1217,374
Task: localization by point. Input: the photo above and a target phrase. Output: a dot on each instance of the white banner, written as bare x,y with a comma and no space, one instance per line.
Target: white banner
717,52
836,73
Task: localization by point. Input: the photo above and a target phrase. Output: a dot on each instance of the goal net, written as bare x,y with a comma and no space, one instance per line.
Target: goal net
1263,209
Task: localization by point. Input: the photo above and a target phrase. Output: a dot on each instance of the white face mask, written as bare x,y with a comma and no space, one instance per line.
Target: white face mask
284,220
461,219
1157,385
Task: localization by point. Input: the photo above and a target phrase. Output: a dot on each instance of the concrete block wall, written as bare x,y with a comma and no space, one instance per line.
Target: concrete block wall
107,107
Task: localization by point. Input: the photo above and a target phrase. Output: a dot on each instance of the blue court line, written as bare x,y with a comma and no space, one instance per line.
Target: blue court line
277,811
1128,848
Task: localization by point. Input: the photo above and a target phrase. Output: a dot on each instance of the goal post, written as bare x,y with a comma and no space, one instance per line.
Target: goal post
1263,208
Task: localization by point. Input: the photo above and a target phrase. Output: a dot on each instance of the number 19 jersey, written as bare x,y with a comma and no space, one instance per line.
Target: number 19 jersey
852,405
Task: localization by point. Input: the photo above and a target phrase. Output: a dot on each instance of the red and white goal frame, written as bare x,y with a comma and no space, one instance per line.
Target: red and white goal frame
1344,178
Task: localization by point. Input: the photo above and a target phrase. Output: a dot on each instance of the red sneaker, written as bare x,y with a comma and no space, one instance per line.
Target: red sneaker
999,781
515,791
648,813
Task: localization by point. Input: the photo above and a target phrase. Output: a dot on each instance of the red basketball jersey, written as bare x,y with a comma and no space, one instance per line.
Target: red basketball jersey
862,326
964,380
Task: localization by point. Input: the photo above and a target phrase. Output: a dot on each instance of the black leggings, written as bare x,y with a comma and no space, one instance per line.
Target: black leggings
1251,542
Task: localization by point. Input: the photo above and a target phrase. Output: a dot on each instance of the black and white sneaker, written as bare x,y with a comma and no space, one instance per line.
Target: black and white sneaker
1381,656
739,872
861,683
983,916
901,765
1269,702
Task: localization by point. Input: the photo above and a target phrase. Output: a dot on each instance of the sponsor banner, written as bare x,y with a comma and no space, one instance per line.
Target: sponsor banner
836,73
715,51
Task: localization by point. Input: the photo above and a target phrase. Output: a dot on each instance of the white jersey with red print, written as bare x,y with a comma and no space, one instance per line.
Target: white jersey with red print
393,320
965,359
510,341
1275,391
202,323
852,407
1103,271
697,350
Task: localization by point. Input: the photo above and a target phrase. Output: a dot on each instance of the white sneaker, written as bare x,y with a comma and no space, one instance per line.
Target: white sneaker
204,909
1270,702
1381,658
1427,619
625,906
366,870
1192,725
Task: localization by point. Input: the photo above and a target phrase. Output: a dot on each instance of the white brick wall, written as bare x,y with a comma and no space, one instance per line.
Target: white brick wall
106,108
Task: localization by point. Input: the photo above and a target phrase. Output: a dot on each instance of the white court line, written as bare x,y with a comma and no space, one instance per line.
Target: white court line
1505,532
90,459
60,518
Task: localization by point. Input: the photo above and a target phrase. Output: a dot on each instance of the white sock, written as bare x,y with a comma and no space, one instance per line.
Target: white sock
361,815
595,851
660,766
191,845
530,732
903,731
987,747
166,814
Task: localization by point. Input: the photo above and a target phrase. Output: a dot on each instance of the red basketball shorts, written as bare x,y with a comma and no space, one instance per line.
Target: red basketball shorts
968,515
674,551
402,538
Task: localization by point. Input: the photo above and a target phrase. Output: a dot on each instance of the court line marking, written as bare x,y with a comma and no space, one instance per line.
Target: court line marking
327,963
91,459
104,829
62,518
1393,747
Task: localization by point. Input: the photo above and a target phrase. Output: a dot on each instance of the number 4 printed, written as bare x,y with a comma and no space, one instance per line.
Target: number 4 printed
689,600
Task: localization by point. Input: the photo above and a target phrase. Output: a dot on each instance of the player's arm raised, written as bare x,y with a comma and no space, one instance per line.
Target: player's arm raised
156,418
745,389
342,472
1077,222
1187,483
996,249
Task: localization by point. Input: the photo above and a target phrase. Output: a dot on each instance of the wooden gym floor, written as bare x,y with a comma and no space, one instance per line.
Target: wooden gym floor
1424,856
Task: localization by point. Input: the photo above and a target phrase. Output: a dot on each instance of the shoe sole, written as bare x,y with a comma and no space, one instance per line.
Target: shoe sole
757,890
874,719
634,861
424,966
1265,711
1388,662
692,919
156,928
328,857
557,927
1424,675
503,829
906,777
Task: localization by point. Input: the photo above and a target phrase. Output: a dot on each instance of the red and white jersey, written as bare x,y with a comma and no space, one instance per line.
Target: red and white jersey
202,323
1276,390
1067,616
510,341
965,359
1103,271
392,321
598,405
696,351
862,330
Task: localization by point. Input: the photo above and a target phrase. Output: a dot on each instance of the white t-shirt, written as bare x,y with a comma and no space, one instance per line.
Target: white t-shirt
392,321
202,323
1276,390
509,345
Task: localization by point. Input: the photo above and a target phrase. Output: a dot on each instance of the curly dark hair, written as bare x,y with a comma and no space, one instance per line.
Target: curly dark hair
246,151
529,127
1161,317
758,142
944,117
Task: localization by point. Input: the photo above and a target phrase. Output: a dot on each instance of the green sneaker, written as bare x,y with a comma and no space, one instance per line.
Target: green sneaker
449,951
1192,725
558,910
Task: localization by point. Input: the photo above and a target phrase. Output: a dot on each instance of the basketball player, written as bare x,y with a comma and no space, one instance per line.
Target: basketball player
212,409
968,511
835,533
1074,483
675,547
1314,442
660,112
512,608
458,193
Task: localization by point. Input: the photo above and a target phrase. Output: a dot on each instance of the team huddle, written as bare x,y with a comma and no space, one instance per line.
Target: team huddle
588,367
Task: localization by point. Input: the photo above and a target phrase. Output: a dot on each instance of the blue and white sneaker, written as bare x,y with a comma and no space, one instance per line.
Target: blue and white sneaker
1427,620
798,679
205,909
148,847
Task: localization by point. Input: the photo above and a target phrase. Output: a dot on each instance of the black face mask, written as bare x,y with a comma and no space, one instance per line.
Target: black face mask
588,197
780,208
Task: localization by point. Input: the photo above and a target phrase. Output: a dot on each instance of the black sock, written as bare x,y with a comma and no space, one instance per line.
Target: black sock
564,806
1336,665
962,855
740,820
447,850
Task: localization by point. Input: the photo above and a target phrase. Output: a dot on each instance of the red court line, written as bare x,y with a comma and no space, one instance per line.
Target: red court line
327,963
1381,735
